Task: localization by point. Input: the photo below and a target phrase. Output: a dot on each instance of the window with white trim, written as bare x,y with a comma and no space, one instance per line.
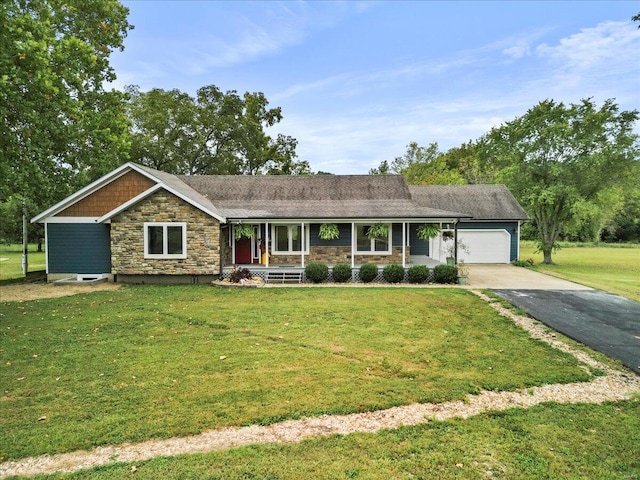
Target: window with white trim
165,240
288,238
365,244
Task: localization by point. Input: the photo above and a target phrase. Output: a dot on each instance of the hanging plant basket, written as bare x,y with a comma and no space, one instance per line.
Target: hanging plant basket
243,231
378,230
329,231
428,230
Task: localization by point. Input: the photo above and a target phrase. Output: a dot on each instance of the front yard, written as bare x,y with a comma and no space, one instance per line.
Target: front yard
155,362
614,268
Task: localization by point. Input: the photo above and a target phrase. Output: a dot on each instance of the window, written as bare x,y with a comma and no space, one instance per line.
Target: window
365,244
165,240
288,239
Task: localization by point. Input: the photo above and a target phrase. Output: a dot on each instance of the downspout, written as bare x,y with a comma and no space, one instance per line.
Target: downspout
518,242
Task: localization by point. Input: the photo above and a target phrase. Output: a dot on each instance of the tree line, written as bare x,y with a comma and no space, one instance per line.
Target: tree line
572,167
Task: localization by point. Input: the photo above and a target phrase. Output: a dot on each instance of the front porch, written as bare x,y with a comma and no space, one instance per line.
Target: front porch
262,271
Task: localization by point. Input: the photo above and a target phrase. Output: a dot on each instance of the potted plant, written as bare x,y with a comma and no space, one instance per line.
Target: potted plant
463,273
378,230
243,231
329,231
427,231
451,249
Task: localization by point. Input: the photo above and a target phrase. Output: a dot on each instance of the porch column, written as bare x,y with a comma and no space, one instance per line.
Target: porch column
353,240
404,244
455,243
303,241
266,244
233,243
440,244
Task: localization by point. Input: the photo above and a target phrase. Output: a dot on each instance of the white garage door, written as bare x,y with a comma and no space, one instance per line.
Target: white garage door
485,246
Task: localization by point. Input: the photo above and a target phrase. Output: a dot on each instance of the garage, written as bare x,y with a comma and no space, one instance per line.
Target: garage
485,246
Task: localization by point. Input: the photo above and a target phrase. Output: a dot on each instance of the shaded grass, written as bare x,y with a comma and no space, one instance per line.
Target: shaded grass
153,361
549,441
11,261
613,269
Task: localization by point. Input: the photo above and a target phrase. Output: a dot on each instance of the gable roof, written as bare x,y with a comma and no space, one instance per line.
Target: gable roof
482,202
239,197
164,180
314,196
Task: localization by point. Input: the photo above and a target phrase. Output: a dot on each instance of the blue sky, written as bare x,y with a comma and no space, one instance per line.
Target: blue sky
358,81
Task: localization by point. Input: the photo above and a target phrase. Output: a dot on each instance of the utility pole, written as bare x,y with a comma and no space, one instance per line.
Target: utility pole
25,242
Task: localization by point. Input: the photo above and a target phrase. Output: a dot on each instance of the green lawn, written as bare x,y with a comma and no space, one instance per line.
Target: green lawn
614,269
160,361
545,442
11,261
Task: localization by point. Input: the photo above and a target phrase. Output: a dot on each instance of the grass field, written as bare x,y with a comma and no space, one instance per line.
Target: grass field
545,442
149,361
614,269
11,261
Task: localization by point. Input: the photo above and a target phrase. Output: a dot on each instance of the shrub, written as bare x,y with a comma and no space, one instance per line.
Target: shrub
342,272
368,272
393,273
445,274
241,274
520,263
418,273
316,272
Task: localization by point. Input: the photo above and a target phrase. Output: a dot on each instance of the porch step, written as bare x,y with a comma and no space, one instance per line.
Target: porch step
284,277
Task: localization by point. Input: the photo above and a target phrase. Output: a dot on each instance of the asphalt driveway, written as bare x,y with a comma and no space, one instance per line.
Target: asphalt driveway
603,321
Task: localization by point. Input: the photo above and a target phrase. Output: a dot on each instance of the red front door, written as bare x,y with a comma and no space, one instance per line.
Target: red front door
243,250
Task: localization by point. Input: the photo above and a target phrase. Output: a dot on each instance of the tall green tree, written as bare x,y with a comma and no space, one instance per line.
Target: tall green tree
558,159
59,127
213,133
425,166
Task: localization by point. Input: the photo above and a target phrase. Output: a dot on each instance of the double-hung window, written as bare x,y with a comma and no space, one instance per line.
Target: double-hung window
165,240
288,238
365,244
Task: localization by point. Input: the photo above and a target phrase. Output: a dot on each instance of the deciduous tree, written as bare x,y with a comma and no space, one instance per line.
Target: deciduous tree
214,133
59,127
560,160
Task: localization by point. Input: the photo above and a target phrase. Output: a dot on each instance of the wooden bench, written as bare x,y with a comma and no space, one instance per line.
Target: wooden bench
284,277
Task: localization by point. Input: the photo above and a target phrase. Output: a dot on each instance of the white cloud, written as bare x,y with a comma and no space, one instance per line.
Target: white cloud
609,42
518,51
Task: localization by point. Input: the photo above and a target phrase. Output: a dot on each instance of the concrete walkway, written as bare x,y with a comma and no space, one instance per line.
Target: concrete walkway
516,278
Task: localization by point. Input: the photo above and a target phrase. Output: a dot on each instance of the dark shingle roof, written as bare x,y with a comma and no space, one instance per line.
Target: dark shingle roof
299,188
340,196
482,202
313,196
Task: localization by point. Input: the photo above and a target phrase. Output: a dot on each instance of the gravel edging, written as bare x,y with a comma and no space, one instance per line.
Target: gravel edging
614,386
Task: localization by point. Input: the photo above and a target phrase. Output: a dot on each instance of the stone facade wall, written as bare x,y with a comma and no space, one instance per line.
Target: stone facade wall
127,238
395,257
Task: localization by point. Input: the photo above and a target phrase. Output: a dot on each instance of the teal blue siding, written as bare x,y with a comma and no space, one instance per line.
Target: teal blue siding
344,241
78,248
418,246
511,227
